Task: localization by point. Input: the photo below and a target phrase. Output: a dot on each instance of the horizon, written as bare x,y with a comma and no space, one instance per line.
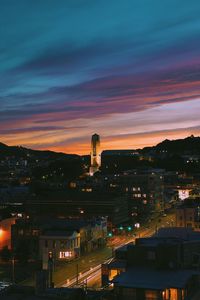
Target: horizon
127,70
134,149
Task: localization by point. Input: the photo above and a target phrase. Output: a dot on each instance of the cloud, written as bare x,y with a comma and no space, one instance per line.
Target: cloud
70,66
36,129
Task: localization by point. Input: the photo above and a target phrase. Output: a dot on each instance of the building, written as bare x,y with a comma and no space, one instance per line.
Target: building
62,238
188,213
5,232
147,284
43,292
59,245
84,205
95,154
162,267
144,190
121,152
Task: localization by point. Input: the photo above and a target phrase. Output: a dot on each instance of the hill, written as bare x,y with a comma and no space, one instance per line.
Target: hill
25,153
189,145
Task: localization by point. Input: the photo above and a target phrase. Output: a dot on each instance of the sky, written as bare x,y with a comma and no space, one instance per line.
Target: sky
128,70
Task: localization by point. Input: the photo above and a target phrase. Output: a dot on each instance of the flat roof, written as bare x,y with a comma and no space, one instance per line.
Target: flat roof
185,234
117,264
146,278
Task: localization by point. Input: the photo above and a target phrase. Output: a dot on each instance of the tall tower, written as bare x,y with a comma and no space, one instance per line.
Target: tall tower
95,154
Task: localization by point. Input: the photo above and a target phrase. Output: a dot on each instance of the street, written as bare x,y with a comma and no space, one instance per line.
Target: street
87,268
91,276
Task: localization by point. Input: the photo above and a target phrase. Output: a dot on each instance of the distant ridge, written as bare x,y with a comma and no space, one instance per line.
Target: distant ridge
190,145
19,151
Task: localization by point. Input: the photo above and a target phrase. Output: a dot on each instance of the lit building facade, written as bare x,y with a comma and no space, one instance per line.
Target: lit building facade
95,154
61,245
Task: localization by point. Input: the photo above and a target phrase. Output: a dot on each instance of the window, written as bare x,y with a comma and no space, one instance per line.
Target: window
21,232
65,254
151,295
151,255
62,244
129,293
35,232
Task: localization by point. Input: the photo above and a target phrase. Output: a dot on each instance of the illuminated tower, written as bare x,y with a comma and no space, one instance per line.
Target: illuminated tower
95,154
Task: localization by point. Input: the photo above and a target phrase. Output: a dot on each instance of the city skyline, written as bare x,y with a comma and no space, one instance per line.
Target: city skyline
126,70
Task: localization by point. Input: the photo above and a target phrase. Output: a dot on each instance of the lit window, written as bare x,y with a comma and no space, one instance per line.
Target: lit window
65,254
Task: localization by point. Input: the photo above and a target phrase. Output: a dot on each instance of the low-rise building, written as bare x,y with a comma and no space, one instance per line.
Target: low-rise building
162,267
188,213
58,245
60,238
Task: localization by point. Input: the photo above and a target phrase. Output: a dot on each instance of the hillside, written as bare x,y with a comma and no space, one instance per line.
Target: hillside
38,165
189,145
25,153
180,154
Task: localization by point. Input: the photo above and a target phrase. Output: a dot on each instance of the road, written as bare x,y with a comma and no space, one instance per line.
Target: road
91,276
89,265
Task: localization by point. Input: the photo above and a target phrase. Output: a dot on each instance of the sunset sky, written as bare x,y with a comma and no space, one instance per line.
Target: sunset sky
128,70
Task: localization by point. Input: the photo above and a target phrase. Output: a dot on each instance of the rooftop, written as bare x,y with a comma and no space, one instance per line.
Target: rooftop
185,234
140,277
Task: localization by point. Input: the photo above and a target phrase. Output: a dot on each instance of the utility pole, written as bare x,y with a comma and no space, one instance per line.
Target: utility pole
13,269
76,274
50,269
